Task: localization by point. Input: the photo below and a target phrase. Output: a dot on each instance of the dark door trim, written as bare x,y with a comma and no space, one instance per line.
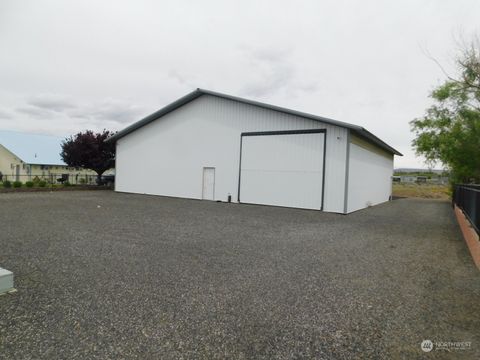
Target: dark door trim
285,132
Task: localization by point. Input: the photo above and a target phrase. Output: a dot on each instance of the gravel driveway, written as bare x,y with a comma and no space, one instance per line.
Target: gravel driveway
109,276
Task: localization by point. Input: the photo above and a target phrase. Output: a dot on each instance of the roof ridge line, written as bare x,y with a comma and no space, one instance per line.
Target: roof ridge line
199,91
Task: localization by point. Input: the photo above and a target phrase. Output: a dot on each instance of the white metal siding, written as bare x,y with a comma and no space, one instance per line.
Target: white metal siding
167,156
369,177
283,170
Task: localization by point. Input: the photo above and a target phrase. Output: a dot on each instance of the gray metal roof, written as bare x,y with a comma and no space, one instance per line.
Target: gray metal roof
358,130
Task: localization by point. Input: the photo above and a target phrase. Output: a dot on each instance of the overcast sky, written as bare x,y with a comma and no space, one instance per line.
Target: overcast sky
67,66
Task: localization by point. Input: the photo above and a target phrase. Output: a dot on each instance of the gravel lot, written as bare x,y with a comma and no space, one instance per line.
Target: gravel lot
109,276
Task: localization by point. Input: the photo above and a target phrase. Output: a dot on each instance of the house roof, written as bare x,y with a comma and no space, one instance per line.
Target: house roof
33,148
358,130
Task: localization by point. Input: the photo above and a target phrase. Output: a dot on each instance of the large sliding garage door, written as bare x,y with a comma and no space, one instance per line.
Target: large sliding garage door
283,168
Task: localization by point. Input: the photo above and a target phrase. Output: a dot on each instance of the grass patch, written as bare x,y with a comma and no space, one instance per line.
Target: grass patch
426,191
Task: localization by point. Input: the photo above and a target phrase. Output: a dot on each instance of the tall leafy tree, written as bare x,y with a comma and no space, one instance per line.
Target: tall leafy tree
449,132
89,150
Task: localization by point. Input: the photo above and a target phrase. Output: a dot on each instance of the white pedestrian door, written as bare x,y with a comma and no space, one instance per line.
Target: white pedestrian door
208,192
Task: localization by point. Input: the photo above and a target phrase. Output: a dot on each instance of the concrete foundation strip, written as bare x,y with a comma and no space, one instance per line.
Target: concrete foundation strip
6,282
470,236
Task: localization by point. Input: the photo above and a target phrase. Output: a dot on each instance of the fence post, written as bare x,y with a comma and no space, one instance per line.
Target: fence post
454,196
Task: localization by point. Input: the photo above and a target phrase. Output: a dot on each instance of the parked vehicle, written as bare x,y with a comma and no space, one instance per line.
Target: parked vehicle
106,180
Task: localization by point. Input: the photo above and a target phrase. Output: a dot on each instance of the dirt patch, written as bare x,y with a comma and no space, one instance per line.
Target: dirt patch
425,191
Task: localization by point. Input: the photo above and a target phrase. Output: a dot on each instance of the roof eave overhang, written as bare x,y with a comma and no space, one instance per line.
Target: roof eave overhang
199,92
364,133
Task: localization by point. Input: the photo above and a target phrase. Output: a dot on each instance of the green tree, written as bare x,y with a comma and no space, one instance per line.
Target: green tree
449,132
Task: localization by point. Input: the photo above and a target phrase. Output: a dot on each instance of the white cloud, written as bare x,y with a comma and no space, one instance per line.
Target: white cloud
60,115
52,102
109,109
90,64
5,114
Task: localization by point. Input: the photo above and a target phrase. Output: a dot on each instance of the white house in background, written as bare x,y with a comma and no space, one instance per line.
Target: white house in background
213,146
25,157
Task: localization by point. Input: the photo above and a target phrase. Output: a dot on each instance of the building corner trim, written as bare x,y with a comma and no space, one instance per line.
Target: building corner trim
347,167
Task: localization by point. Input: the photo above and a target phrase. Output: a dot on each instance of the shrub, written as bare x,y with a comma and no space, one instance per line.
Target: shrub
42,183
29,184
17,184
67,183
7,184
